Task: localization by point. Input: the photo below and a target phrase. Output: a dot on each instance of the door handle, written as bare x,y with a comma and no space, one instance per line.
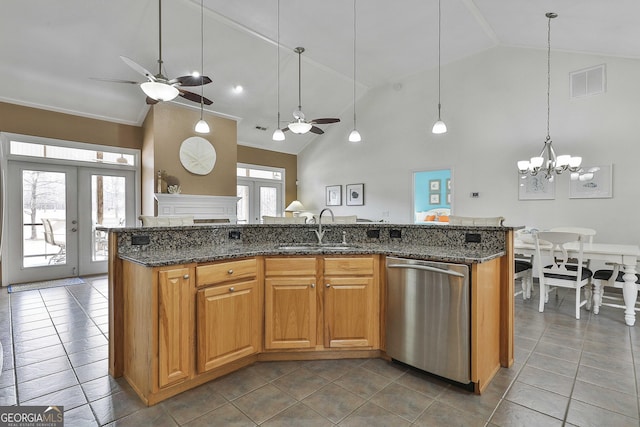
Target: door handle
74,229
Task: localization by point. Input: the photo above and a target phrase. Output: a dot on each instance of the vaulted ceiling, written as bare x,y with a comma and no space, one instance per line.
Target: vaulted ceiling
53,53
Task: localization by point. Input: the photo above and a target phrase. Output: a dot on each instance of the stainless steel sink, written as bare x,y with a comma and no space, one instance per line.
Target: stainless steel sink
303,247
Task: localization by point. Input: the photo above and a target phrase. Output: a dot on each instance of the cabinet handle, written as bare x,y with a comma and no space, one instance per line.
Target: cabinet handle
230,271
186,276
313,285
232,289
327,285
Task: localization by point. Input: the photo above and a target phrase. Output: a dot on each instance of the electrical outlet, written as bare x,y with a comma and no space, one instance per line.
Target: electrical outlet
234,235
140,239
472,238
373,234
395,234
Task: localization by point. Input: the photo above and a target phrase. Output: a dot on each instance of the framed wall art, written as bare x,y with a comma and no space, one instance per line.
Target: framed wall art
334,195
593,182
355,194
535,188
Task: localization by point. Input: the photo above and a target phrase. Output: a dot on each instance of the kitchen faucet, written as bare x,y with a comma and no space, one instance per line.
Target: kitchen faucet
319,232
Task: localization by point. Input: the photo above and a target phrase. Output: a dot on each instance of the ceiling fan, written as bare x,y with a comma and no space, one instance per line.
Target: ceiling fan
299,125
160,88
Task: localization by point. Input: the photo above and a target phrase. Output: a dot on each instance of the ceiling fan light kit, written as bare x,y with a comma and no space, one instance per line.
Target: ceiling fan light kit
159,91
300,125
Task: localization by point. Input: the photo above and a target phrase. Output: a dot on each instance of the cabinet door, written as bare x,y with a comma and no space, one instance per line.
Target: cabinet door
290,312
351,317
174,326
228,323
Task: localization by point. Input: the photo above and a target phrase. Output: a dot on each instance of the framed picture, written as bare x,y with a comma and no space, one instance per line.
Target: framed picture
355,194
535,188
449,184
434,199
434,185
334,195
593,182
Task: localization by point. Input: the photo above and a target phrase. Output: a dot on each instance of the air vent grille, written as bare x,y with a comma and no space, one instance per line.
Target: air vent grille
588,82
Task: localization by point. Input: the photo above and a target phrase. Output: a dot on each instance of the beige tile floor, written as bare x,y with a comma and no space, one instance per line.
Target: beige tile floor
567,372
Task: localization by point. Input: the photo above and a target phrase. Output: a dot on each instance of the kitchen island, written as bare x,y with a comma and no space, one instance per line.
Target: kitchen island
189,304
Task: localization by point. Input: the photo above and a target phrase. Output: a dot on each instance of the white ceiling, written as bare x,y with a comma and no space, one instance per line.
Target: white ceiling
51,51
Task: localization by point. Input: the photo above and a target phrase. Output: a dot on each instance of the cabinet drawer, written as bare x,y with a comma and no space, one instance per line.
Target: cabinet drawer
356,266
225,271
298,266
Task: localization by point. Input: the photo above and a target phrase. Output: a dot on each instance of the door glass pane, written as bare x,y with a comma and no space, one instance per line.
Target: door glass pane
43,218
243,204
268,201
108,209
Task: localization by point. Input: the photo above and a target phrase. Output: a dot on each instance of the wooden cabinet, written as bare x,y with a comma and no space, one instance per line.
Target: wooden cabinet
229,315
174,326
351,302
341,313
290,303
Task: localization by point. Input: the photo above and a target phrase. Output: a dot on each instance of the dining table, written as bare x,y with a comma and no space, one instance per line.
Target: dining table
623,254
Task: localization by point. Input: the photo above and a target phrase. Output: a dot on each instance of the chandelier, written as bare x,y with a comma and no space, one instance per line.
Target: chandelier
547,163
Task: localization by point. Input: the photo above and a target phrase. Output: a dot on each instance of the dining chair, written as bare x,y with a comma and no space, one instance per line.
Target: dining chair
524,273
588,234
612,278
551,245
54,239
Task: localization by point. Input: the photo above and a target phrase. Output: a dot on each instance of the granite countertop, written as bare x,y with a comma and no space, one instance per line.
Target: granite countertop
159,258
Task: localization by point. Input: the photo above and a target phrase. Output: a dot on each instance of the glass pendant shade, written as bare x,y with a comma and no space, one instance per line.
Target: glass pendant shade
439,127
278,135
299,127
202,126
354,136
159,91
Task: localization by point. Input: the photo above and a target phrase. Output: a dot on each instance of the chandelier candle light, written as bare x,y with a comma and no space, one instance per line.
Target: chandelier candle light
547,163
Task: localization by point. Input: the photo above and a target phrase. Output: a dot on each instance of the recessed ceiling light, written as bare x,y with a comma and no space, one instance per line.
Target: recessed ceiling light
238,89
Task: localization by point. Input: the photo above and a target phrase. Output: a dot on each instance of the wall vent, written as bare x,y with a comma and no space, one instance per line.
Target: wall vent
588,82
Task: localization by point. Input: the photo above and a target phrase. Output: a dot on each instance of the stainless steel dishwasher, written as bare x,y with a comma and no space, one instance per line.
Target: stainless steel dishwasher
428,313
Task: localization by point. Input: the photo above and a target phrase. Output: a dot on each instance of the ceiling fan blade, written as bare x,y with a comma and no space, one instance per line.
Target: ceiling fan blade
316,130
151,101
191,81
114,80
324,121
139,68
284,129
194,97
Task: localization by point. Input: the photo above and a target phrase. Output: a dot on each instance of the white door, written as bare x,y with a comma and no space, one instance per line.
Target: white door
52,213
258,198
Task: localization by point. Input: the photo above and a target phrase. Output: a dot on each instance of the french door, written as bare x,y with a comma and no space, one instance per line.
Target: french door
258,198
53,212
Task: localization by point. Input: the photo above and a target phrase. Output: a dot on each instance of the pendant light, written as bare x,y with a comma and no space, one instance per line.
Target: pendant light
547,163
202,126
439,126
278,135
354,136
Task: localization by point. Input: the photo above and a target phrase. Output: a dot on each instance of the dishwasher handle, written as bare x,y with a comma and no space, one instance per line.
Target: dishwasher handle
426,268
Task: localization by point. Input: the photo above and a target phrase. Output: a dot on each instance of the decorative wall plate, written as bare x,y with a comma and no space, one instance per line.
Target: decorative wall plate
197,155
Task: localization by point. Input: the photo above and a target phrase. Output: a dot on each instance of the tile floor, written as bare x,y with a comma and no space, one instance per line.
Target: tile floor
567,372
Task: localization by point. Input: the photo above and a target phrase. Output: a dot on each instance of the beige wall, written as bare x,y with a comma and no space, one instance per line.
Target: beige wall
159,138
49,124
289,162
